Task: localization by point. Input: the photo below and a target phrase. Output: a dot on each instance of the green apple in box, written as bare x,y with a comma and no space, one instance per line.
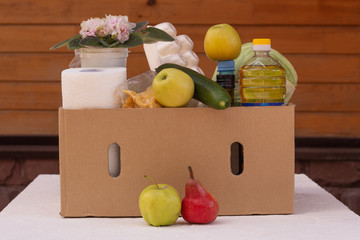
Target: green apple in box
173,88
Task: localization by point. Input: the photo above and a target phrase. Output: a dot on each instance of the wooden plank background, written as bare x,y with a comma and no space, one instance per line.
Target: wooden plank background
321,38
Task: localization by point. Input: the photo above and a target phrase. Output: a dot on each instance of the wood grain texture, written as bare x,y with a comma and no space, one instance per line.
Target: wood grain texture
326,68
281,12
30,96
286,39
47,67
58,11
327,124
33,67
327,98
32,123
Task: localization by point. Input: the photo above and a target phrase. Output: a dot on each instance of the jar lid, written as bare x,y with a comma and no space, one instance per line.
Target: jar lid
261,44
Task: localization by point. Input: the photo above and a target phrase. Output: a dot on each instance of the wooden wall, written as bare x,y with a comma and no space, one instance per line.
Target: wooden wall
321,38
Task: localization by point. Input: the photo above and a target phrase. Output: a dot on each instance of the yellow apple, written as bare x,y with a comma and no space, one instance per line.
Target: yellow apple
222,43
160,205
173,88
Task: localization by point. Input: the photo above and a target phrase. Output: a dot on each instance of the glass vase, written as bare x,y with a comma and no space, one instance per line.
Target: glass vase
103,57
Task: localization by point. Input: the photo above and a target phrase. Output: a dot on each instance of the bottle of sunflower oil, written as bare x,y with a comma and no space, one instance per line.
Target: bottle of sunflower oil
262,79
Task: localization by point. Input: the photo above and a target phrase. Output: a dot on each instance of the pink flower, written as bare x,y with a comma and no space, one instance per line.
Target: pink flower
119,27
93,27
111,23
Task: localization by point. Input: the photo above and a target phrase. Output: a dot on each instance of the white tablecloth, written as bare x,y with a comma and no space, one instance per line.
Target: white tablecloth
34,214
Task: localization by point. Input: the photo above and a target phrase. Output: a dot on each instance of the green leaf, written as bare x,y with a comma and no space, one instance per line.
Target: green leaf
74,44
114,43
140,26
65,42
91,41
134,41
152,35
103,42
140,36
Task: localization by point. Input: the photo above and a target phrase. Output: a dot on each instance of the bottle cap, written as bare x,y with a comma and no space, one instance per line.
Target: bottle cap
261,44
225,66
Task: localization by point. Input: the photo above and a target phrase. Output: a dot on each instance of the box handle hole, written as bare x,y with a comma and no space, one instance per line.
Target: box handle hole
114,161
236,158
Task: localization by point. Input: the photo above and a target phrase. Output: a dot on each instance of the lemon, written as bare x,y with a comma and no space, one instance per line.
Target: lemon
222,42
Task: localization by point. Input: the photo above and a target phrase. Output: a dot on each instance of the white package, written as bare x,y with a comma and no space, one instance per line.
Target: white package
92,87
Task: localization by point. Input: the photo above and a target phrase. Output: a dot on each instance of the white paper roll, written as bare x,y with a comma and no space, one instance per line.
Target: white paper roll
92,87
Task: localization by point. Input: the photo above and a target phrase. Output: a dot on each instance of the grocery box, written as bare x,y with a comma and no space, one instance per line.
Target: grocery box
244,156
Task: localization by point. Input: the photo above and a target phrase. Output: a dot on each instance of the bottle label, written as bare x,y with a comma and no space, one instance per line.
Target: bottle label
226,81
262,104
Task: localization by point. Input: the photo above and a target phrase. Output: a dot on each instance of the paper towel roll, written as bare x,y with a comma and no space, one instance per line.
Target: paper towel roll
92,87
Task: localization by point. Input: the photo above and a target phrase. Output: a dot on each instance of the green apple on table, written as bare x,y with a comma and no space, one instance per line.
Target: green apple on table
173,88
160,204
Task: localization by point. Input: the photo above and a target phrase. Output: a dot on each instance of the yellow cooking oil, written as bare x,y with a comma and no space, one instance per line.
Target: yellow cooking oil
262,80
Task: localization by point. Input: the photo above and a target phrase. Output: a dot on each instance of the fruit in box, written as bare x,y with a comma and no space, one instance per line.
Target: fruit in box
173,88
206,91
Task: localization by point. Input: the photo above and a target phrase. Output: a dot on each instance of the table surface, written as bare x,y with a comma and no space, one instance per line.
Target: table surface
34,214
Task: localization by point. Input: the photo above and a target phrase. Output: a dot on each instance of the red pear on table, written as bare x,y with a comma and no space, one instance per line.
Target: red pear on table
198,205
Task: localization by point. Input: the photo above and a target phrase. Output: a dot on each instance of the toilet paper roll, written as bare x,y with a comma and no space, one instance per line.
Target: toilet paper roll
92,87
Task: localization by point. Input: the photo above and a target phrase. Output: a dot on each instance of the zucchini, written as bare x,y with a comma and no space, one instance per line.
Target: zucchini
206,91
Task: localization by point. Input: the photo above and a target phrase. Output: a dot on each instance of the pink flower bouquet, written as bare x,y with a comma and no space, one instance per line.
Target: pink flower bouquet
113,32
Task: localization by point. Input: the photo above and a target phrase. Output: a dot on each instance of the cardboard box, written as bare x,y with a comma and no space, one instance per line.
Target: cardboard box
162,143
